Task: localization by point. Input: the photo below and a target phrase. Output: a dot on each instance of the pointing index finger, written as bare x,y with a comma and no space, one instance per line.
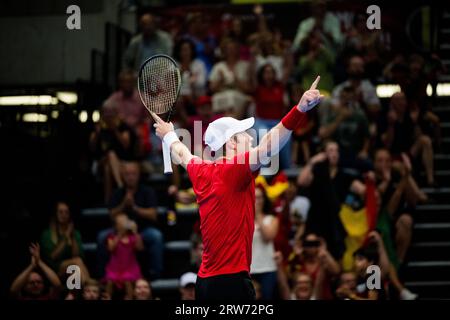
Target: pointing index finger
314,85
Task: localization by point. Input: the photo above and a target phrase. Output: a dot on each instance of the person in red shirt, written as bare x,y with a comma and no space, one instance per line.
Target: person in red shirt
225,190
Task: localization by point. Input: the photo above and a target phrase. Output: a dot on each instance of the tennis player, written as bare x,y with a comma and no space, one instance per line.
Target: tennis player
225,191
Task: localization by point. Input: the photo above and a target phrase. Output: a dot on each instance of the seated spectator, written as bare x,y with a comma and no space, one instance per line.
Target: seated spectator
198,33
91,290
123,269
402,136
323,20
229,81
149,42
61,243
263,268
131,110
346,285
142,290
317,59
366,95
31,284
193,71
302,284
187,286
269,97
328,186
311,256
348,125
139,203
364,258
388,179
111,142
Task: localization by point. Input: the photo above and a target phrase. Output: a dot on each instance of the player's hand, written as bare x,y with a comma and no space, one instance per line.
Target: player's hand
162,127
310,98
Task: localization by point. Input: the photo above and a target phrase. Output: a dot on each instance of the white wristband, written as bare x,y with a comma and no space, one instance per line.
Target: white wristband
170,138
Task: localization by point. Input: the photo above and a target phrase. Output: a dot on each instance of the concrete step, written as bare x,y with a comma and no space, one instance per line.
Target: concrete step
433,232
427,271
432,213
429,251
439,195
430,290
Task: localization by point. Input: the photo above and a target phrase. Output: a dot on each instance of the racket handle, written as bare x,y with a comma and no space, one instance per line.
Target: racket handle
166,158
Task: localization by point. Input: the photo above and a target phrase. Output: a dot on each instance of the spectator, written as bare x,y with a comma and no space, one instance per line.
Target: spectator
366,95
229,80
348,125
204,117
325,22
123,269
317,59
205,43
149,42
401,135
312,257
368,44
269,97
346,285
328,185
233,28
193,71
187,286
30,285
142,290
263,268
364,257
139,203
131,110
91,290
302,284
111,142
61,243
388,179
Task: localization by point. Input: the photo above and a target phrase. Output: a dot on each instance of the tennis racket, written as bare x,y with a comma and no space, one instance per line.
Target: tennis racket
159,83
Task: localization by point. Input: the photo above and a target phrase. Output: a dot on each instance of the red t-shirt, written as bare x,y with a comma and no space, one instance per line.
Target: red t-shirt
269,102
226,197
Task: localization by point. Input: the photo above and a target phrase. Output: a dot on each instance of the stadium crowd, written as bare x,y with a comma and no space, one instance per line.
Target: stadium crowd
351,205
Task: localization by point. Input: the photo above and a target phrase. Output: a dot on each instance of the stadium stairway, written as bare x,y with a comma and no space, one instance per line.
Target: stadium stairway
428,269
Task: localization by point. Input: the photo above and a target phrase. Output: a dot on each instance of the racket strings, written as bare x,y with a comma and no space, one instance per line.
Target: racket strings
159,84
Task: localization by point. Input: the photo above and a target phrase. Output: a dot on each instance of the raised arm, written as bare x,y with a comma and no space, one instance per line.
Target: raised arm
273,141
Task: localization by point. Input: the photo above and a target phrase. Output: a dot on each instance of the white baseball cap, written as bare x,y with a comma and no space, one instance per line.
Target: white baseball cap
188,278
222,129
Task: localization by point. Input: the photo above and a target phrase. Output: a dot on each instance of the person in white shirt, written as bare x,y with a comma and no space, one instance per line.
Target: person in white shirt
263,268
324,21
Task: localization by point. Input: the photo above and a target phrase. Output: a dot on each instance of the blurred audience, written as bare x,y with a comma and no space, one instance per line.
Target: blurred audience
111,142
147,43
